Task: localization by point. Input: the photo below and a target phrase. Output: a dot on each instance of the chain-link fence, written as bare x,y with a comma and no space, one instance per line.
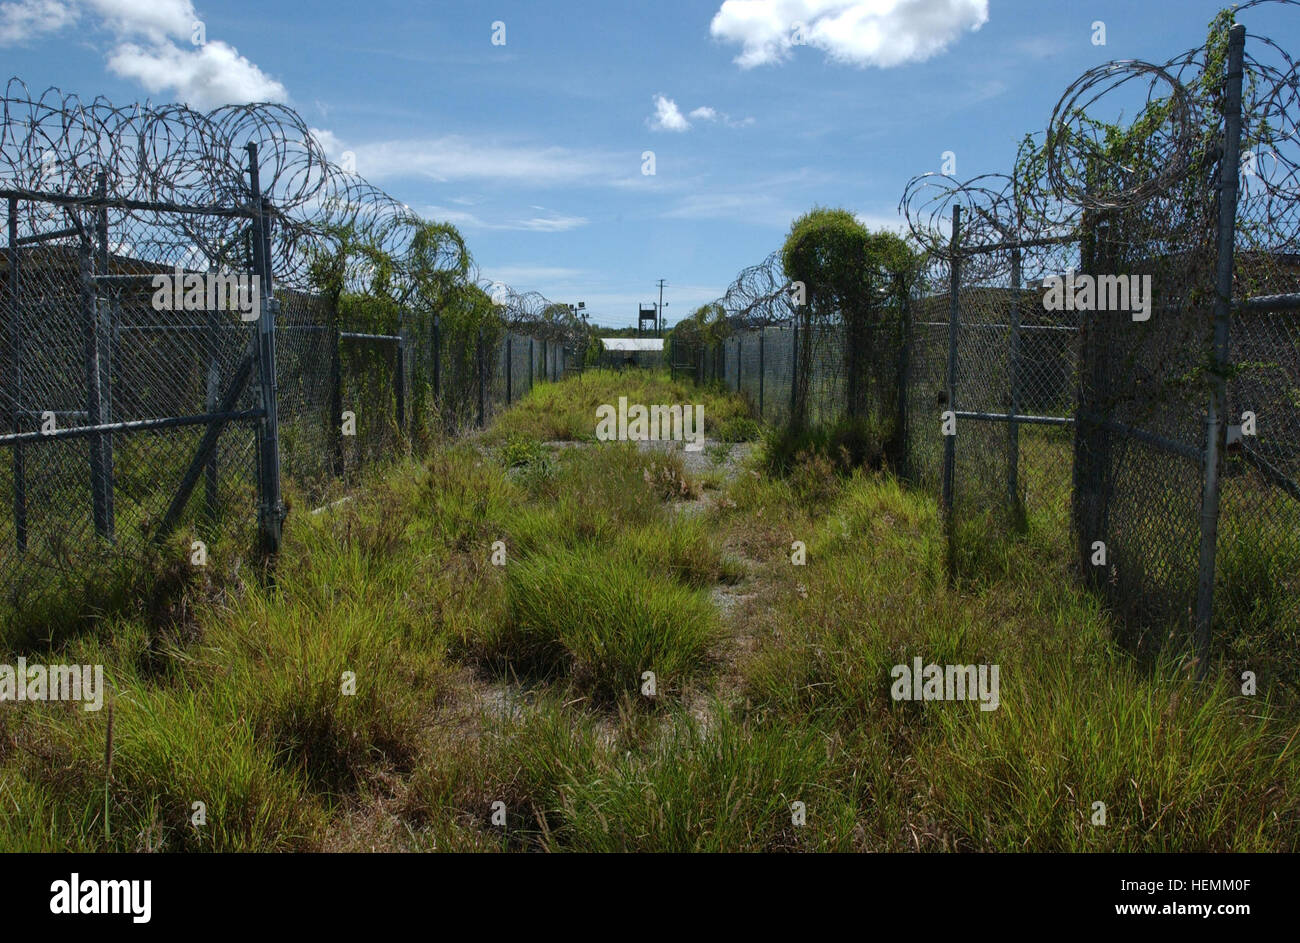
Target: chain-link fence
120,377
991,395
169,347
1102,353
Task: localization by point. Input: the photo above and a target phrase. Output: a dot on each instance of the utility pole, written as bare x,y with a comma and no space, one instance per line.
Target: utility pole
660,326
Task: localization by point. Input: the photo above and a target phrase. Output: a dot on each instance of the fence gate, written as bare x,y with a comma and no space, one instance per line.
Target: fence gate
139,387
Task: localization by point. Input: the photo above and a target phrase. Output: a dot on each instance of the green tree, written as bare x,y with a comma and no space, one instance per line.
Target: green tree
860,280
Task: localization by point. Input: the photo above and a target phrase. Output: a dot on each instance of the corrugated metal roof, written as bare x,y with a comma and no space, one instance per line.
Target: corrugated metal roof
633,343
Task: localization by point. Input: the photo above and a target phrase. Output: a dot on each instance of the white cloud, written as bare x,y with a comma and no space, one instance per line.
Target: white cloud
467,220
881,33
444,214
209,75
152,46
329,142
455,158
154,19
29,19
548,223
667,116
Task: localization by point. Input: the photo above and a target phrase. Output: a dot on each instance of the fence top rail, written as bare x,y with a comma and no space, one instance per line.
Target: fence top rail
1270,303
37,238
135,425
1005,327
1026,419
1061,240
354,336
112,202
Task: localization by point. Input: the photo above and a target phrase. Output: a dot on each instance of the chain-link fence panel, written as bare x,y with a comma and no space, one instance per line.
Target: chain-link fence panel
127,389
778,372
1116,382
309,365
1257,588
1011,404
196,306
369,395
751,350
926,389
822,354
1139,445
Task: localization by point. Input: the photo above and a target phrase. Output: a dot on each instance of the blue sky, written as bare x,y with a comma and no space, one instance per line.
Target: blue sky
534,147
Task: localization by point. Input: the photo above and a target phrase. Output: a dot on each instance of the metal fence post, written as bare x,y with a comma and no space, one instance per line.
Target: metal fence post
1229,169
510,368
1013,408
212,473
904,433
400,382
270,510
16,377
794,364
336,387
739,363
1092,499
437,360
761,368
104,322
478,356
852,335
950,441
100,486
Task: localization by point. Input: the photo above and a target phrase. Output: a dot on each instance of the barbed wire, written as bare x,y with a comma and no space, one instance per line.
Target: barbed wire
177,159
1074,166
759,296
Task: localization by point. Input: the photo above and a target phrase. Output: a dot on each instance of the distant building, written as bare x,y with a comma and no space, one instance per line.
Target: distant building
632,352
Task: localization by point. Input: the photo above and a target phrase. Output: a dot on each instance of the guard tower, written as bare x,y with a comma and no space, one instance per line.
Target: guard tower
647,313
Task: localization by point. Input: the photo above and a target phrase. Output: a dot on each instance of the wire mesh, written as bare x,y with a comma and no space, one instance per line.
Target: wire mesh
1085,425
133,396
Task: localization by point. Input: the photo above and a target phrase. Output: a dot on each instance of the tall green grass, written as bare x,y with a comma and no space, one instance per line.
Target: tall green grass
473,628
1178,765
567,411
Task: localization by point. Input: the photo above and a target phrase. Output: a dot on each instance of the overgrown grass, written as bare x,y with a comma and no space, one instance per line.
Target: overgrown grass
1177,765
604,620
567,411
279,707
730,786
465,643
